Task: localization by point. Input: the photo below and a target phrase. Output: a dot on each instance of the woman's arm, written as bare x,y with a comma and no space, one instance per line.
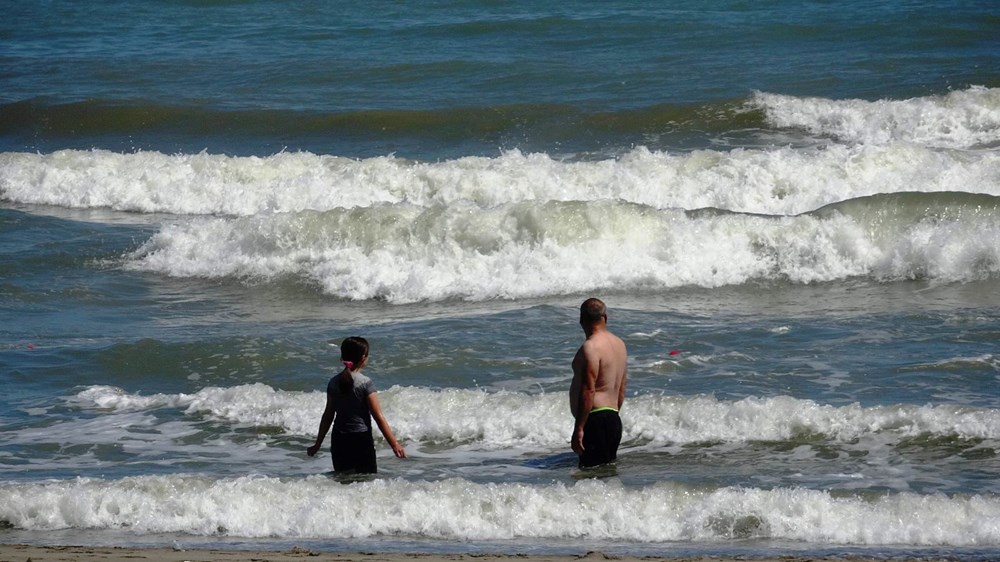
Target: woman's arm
383,426
324,426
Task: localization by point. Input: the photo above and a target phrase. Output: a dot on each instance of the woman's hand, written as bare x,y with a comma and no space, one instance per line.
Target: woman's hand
398,450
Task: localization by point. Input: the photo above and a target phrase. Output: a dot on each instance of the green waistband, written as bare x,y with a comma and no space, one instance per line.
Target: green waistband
604,409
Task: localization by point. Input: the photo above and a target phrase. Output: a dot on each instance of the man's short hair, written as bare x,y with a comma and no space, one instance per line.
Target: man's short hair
593,311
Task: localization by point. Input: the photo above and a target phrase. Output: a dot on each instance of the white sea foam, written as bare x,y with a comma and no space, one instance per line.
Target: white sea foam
455,416
776,181
456,509
960,119
403,253
526,225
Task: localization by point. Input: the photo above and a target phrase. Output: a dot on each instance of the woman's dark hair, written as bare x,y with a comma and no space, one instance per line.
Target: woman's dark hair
352,352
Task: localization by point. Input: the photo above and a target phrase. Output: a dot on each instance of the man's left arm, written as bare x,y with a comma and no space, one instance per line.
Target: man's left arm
586,402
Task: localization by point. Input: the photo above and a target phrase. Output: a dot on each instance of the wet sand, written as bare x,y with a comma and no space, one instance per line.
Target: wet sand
28,553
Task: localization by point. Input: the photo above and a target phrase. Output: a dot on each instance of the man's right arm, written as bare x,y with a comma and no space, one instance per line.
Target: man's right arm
621,387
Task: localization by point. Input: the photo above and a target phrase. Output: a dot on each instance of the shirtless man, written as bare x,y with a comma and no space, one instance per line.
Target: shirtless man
600,372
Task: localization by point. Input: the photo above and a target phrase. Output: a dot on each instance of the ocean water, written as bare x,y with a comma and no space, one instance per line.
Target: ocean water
791,209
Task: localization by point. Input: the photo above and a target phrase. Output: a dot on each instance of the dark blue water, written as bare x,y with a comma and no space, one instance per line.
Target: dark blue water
449,79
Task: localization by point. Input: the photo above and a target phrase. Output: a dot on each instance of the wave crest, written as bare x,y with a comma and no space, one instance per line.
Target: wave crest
959,119
457,509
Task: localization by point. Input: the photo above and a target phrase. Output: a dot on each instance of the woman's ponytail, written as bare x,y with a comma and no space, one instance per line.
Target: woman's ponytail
353,351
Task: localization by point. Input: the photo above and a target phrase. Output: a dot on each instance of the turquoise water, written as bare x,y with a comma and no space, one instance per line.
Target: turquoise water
791,210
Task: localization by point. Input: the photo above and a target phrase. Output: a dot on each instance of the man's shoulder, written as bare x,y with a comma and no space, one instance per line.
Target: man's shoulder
605,337
614,338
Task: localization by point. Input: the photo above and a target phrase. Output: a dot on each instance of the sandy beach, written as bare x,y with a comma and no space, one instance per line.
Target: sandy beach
29,553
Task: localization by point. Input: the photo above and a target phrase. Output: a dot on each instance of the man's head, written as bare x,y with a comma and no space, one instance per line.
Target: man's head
593,313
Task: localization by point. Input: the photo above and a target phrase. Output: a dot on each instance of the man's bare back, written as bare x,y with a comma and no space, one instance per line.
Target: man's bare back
600,373
607,353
